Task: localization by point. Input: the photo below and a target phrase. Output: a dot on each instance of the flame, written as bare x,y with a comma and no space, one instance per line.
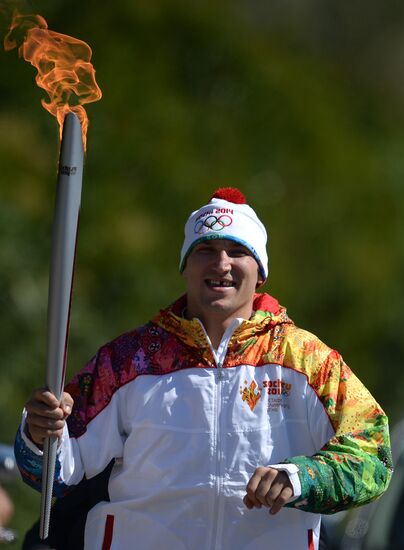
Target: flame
63,65
251,394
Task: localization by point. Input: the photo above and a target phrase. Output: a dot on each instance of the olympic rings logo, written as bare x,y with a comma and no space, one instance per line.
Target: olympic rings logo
214,223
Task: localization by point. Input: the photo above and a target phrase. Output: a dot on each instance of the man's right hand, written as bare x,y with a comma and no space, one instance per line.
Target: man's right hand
46,416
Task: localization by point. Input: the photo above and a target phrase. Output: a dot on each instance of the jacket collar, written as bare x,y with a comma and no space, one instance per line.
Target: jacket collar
267,314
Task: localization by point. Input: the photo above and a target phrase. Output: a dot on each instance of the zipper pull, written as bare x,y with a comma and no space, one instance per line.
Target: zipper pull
219,371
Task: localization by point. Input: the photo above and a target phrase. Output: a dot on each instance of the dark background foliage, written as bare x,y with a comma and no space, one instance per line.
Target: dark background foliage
300,104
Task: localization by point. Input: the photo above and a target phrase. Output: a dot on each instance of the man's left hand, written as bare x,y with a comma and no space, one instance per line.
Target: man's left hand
268,487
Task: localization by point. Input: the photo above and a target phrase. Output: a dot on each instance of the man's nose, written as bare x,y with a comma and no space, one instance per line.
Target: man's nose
223,261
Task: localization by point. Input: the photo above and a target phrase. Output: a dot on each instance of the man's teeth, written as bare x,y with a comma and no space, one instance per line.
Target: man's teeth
213,282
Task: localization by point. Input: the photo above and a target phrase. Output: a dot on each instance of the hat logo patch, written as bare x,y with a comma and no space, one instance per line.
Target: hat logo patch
214,221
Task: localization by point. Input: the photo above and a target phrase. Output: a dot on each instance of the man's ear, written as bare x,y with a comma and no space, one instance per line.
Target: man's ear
260,282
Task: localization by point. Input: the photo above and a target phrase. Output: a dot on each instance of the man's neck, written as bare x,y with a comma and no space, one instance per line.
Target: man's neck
215,331
216,327
217,319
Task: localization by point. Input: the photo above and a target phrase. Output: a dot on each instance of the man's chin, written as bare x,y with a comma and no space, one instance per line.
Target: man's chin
220,305
219,302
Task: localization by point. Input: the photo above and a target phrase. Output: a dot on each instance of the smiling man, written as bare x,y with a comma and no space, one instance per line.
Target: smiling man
221,277
216,412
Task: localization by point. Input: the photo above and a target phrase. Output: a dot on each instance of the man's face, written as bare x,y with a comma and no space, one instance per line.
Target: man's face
221,277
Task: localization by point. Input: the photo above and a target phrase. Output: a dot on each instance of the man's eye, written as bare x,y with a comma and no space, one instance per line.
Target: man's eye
237,252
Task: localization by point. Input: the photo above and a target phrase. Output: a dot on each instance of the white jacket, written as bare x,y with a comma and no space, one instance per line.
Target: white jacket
188,426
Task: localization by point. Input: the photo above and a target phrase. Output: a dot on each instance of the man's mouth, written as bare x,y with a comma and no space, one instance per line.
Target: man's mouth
218,283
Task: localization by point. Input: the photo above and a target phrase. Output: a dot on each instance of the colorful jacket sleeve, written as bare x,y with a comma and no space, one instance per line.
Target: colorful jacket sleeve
91,439
354,467
68,467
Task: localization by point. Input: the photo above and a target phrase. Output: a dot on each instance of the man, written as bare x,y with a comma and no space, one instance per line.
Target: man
6,513
8,472
217,411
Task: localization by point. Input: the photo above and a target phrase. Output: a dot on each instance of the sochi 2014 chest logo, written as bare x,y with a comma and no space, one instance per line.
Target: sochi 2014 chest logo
213,220
277,390
250,394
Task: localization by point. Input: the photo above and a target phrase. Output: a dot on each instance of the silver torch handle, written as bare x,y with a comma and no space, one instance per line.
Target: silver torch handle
64,237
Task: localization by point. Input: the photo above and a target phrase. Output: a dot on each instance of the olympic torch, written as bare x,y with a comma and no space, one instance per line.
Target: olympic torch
64,236
66,73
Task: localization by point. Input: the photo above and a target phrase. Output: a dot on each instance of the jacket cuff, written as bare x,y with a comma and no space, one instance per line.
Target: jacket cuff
292,471
24,435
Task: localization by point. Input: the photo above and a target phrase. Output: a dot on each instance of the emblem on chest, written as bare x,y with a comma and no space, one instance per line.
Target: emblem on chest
277,390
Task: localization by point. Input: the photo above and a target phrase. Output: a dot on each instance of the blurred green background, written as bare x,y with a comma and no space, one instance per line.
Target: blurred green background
300,104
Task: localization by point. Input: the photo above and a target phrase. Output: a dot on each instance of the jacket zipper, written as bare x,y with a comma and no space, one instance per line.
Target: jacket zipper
219,461
219,355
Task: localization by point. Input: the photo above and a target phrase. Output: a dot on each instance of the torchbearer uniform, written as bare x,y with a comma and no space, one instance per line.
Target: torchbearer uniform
188,425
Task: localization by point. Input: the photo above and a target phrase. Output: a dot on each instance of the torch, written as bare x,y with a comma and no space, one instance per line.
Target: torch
65,72
64,237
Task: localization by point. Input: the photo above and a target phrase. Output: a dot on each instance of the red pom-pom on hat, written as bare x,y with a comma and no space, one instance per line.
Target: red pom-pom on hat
230,194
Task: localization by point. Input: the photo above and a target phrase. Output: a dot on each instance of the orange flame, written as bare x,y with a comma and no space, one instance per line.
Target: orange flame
63,64
251,394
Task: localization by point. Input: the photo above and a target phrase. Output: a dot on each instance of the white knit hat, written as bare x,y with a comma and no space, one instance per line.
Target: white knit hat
227,216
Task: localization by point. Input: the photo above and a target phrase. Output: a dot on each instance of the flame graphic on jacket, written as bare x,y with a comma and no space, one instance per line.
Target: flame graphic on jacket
250,394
